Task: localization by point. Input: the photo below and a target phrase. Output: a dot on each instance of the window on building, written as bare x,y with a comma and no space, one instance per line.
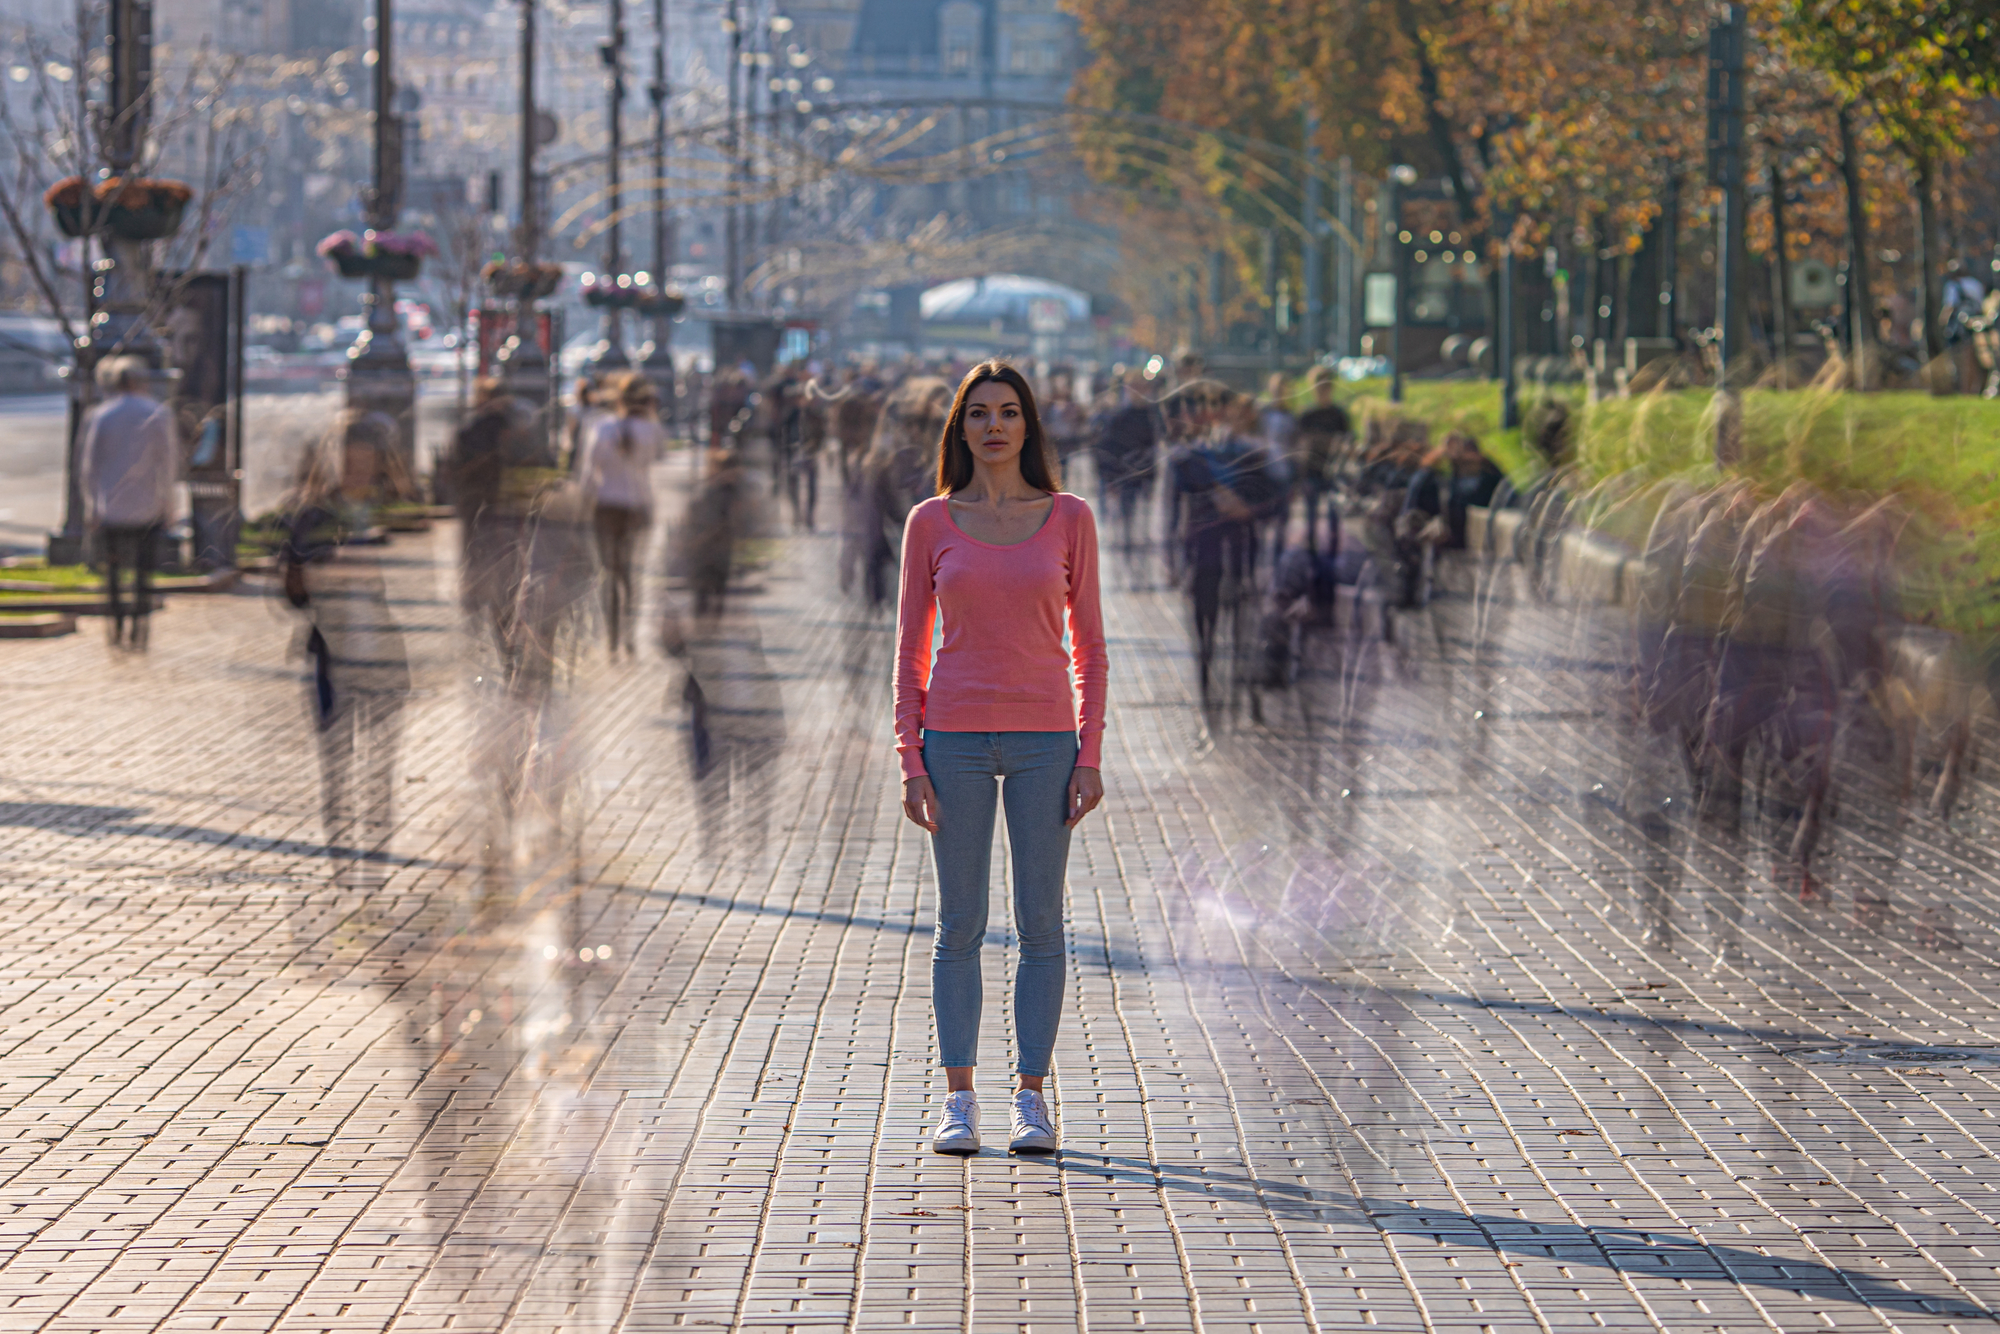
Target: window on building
1033,58
958,35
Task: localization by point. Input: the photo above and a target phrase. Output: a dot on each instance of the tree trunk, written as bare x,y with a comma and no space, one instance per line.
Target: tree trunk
1669,265
1442,136
1861,354
1927,255
1781,282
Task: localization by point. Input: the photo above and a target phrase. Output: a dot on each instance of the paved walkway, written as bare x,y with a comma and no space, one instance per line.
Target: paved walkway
1364,1028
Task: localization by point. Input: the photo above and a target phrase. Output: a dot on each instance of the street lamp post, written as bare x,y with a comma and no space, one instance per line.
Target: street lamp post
1503,330
527,365
1725,167
124,276
733,221
611,353
659,364
378,372
1315,241
1399,176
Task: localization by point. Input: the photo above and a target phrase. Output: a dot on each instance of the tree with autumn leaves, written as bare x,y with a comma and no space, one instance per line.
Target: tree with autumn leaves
1569,122
1917,66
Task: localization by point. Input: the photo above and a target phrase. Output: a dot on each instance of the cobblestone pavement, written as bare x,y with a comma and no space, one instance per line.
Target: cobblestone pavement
1364,1025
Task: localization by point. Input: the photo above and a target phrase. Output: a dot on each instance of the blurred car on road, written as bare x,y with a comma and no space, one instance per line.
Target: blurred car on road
34,355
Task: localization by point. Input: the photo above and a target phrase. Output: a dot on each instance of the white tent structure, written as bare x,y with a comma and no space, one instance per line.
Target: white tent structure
1000,296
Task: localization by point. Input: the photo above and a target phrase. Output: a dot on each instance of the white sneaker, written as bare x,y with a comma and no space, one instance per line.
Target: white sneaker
958,1124
1032,1131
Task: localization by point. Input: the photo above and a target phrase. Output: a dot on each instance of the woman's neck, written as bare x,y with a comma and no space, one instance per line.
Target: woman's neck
996,482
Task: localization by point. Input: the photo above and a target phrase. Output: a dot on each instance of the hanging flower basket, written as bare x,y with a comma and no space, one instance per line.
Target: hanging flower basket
634,292
609,296
661,305
397,256
136,210
398,268
522,279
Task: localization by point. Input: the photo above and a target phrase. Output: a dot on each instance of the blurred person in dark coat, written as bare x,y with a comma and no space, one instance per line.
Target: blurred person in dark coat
130,463
1127,453
481,478
718,518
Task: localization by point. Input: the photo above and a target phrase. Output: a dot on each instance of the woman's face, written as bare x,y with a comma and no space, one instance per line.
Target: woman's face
995,427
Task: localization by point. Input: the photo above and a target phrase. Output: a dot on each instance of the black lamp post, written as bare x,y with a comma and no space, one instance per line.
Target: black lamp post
527,365
1399,176
1725,169
659,364
1503,324
611,353
733,220
124,276
378,372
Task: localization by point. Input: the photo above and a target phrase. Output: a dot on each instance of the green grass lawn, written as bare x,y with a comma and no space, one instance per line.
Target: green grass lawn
1938,457
68,582
1881,441
59,578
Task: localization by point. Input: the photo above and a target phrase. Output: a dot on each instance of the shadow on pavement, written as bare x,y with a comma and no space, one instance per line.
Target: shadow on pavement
1662,1253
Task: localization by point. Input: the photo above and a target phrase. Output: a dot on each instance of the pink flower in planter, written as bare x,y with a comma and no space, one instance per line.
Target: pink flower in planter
403,243
339,243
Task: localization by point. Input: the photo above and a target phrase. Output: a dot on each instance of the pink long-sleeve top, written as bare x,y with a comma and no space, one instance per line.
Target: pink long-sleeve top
1002,666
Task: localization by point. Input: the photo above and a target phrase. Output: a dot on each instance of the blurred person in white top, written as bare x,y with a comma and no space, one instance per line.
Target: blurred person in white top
130,465
616,473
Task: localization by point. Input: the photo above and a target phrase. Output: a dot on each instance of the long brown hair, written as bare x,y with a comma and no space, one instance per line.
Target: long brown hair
954,471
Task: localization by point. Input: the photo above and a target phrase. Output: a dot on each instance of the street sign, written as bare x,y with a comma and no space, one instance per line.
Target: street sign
1048,315
249,245
1813,284
1378,300
546,129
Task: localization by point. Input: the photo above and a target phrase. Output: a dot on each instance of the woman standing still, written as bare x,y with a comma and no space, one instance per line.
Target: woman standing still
617,476
1004,557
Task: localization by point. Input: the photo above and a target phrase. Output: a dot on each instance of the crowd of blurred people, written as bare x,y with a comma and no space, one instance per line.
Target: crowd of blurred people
1760,634
1259,507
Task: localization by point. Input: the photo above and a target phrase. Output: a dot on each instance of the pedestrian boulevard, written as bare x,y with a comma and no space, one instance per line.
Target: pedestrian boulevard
1369,1023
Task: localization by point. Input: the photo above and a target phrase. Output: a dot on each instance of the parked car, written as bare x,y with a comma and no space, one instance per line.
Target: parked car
34,355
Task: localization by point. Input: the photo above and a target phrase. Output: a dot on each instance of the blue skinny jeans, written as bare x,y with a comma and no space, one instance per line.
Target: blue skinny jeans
1034,769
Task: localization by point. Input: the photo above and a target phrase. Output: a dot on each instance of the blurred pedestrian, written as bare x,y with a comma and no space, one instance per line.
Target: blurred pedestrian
1210,523
1474,481
129,463
588,411
332,574
730,401
1127,453
1275,421
717,519
484,476
1065,417
1008,562
855,409
808,431
616,475
1324,431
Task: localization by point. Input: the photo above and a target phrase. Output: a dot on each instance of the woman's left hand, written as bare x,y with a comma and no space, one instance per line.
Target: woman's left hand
1086,790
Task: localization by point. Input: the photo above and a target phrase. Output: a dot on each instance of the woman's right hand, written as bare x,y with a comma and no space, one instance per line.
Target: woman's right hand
920,803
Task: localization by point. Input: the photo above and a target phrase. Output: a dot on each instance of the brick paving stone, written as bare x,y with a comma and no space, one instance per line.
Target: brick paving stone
1363,1028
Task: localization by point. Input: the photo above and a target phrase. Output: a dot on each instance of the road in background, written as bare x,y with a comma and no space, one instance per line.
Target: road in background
277,428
